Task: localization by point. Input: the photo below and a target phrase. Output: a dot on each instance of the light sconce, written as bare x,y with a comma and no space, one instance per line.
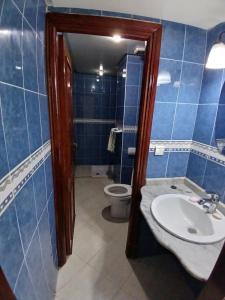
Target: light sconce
124,73
117,38
101,71
216,58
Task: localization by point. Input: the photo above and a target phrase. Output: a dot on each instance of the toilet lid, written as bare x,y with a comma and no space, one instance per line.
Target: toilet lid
118,190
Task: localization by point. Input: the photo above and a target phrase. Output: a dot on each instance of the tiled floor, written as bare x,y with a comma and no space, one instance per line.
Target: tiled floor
98,268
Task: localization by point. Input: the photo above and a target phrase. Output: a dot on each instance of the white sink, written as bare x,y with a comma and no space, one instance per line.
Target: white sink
187,220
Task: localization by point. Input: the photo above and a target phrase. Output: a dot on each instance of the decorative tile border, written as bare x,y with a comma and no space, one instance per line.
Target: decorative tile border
206,151
12,183
171,146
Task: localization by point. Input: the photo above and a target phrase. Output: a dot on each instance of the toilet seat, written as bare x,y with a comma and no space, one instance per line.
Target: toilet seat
118,190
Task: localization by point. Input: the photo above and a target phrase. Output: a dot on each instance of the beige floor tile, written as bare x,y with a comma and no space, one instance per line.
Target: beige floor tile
121,295
69,271
87,242
90,285
112,261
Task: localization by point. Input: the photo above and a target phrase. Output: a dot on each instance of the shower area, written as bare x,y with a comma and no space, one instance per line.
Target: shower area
102,104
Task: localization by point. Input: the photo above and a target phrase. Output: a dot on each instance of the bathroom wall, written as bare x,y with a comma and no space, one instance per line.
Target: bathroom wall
177,102
186,108
94,109
207,168
27,229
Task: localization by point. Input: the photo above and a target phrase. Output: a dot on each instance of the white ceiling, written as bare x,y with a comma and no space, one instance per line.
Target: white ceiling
201,13
89,51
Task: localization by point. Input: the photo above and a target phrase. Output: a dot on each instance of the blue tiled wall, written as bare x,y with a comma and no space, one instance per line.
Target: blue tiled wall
119,117
177,103
27,230
193,93
94,100
206,173
133,82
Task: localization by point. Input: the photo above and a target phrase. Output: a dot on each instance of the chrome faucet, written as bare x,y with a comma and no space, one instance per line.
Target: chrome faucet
210,202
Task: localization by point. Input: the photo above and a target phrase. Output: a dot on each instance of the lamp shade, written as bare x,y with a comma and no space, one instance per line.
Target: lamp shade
216,58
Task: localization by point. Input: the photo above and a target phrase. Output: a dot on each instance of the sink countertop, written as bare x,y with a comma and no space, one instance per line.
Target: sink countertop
197,259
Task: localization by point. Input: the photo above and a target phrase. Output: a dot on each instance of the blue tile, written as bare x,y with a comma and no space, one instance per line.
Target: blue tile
143,18
24,285
29,58
133,73
41,67
25,207
168,92
51,213
65,10
30,12
93,12
41,20
127,160
136,59
222,95
11,254
40,190
44,118
130,117
172,40
33,120
204,123
106,85
92,86
132,95
156,167
35,267
126,175
163,121
184,121
48,260
211,86
195,44
191,81
177,164
196,168
113,84
79,83
10,54
214,179
3,155
20,4
49,178
116,14
15,125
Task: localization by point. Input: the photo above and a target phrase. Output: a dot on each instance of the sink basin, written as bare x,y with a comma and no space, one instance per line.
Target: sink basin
187,220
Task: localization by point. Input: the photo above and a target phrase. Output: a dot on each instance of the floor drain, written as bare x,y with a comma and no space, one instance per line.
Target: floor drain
173,187
192,230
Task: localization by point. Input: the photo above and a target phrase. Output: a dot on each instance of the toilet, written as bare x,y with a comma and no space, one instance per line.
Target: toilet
119,196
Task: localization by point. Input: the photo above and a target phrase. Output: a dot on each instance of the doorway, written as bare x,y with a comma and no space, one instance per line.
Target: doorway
149,33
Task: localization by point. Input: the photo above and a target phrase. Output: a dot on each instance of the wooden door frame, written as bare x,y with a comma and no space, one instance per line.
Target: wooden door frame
104,26
6,292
